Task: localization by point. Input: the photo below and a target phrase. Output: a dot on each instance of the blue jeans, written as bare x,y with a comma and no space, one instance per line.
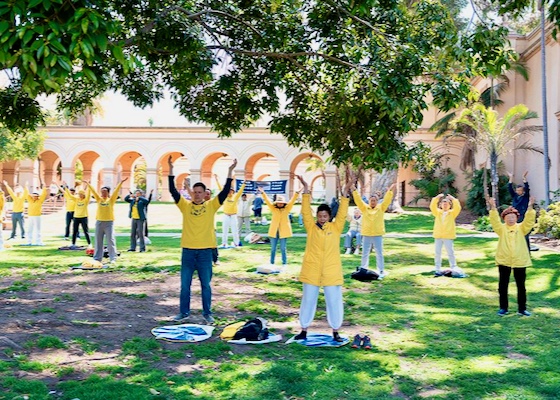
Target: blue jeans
196,260
273,243
17,218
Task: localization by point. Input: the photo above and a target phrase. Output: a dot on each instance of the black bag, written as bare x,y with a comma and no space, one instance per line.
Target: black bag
252,331
364,275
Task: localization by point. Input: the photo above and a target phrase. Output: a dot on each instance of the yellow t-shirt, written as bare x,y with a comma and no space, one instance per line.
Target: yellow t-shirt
230,203
18,200
105,207
134,212
35,207
70,200
81,209
198,223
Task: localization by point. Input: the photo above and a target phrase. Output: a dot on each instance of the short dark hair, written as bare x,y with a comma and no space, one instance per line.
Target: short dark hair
106,187
200,184
520,186
324,207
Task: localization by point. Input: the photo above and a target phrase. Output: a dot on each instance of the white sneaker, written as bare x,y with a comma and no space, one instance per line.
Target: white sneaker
382,274
357,252
348,250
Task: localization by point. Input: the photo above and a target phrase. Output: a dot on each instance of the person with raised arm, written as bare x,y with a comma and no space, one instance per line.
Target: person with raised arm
445,209
198,239
321,265
229,219
18,195
520,195
104,221
137,214
373,227
69,195
35,202
512,253
280,227
2,202
81,214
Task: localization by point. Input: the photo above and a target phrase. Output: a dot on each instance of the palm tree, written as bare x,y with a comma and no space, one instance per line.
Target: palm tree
495,135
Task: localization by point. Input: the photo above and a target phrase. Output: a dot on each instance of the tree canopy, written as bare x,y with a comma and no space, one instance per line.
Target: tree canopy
350,78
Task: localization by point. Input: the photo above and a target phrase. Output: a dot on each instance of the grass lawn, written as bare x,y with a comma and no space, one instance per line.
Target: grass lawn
436,338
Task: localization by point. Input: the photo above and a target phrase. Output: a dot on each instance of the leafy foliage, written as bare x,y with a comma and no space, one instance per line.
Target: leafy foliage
349,78
20,146
434,179
482,224
477,192
548,222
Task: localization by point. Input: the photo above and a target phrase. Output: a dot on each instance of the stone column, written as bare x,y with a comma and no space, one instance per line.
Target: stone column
68,176
152,182
27,175
126,186
330,185
285,175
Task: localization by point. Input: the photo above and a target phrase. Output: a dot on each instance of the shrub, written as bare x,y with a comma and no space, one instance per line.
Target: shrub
475,195
482,224
549,221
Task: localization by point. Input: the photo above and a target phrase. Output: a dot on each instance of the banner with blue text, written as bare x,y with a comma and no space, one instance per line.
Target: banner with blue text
270,187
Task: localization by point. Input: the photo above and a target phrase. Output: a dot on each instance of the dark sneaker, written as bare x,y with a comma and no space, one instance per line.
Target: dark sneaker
209,319
438,273
367,343
357,341
502,312
336,337
533,248
181,317
131,250
524,313
301,336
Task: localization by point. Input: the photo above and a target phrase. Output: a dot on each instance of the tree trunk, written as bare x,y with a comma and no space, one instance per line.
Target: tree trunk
382,182
494,177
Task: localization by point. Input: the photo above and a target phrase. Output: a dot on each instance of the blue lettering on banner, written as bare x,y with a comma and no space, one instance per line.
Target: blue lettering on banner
270,187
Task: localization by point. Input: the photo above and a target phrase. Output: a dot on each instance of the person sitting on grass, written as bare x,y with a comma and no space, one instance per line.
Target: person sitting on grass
445,209
512,252
354,231
321,265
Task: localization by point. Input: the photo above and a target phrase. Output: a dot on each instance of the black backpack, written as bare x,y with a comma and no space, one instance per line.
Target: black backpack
364,275
252,331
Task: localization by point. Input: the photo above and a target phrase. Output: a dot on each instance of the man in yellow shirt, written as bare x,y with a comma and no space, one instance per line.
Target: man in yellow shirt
80,216
18,199
198,239
70,200
34,211
104,221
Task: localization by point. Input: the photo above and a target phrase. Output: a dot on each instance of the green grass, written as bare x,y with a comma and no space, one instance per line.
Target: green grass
436,338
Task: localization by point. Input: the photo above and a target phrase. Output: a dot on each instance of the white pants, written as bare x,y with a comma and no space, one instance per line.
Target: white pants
369,243
333,299
229,221
34,230
448,243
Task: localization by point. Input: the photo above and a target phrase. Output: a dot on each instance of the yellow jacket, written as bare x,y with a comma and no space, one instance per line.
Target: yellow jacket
373,220
70,200
18,200
35,207
105,206
512,248
230,203
80,206
280,217
2,201
321,264
444,225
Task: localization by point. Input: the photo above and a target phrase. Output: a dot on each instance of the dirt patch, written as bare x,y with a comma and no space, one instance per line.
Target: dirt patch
105,309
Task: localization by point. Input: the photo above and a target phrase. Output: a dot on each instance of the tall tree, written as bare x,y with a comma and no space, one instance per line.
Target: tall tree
355,75
497,135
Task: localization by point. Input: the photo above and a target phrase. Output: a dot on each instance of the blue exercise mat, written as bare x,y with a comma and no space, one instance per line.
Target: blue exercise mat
183,333
319,340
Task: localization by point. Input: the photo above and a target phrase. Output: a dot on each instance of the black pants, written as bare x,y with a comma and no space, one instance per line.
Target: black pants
69,218
520,275
84,223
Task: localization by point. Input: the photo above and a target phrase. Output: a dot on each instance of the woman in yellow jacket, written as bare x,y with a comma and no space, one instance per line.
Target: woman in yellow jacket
35,202
373,227
104,220
512,252
445,209
280,227
321,264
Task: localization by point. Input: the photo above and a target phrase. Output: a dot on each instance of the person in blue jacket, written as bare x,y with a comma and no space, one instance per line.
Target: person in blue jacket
137,214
